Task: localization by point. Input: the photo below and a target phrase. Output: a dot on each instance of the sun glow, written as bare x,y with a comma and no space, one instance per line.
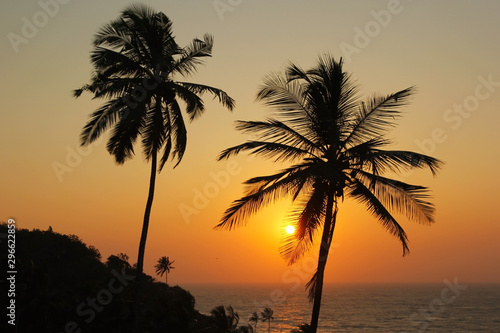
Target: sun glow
290,229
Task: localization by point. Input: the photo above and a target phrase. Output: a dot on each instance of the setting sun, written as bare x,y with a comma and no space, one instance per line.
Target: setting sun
290,229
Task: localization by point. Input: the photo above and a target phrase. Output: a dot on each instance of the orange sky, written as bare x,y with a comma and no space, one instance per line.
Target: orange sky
449,50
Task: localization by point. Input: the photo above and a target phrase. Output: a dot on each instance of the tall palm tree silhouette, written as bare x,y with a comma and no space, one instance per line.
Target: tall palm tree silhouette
164,266
336,146
135,60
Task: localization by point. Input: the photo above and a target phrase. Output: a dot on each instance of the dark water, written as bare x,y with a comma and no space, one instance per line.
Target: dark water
447,307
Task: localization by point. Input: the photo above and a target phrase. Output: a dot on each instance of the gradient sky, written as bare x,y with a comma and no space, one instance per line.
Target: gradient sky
449,49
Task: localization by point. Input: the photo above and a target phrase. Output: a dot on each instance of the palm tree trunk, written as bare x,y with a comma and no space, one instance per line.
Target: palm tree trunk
142,246
326,239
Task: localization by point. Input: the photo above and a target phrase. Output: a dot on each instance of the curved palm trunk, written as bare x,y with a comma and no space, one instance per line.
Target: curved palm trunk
142,246
326,240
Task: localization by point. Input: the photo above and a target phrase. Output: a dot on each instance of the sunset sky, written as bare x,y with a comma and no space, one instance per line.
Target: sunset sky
450,50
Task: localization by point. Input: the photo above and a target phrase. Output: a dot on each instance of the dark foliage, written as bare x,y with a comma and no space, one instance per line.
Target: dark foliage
62,286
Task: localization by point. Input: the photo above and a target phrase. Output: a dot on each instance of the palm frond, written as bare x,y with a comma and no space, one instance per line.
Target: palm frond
277,131
330,95
397,196
398,160
114,64
261,194
263,181
311,286
101,119
179,131
295,72
194,103
138,12
221,95
357,154
308,216
128,90
276,151
154,132
112,36
193,54
288,99
362,193
376,116
123,137
167,147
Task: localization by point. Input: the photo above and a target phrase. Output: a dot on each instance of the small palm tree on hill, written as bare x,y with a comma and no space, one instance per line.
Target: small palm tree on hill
164,266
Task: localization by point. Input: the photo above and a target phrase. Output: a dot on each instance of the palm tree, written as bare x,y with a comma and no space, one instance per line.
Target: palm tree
267,315
164,266
254,319
135,60
224,319
336,147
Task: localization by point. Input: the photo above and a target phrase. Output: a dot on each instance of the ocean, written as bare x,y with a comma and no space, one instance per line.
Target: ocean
450,307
